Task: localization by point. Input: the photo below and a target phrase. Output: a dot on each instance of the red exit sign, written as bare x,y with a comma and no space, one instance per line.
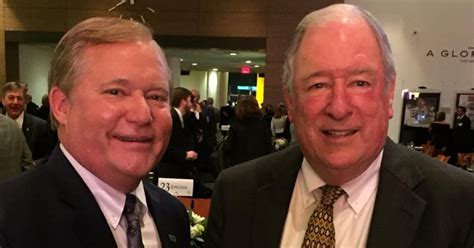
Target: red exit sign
245,69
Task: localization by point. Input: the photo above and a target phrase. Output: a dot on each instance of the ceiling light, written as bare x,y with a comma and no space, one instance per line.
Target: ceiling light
194,64
233,54
214,69
248,61
256,66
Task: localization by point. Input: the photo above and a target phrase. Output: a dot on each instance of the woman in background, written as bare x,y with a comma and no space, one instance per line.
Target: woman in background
249,137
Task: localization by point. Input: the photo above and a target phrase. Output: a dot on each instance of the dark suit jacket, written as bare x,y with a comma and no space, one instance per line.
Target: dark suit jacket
462,135
248,139
420,202
174,163
38,135
52,207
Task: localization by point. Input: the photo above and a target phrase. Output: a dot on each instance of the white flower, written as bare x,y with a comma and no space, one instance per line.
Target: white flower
197,218
197,230
280,143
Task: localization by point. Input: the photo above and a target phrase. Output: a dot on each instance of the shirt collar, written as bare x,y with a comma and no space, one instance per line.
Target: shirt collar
180,116
110,200
358,190
20,119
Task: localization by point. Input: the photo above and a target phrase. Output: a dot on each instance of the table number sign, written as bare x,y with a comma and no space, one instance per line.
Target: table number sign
176,186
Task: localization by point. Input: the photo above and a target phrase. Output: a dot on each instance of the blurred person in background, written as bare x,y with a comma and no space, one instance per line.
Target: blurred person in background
43,111
439,134
278,123
180,156
462,136
249,137
15,155
227,114
38,133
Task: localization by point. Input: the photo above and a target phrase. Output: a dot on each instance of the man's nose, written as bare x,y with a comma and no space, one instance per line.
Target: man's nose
16,100
339,106
139,111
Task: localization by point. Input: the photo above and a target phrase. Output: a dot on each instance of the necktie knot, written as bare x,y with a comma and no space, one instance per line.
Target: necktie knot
330,194
132,207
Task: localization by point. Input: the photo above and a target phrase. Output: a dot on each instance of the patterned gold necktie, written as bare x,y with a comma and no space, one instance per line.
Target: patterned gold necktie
320,231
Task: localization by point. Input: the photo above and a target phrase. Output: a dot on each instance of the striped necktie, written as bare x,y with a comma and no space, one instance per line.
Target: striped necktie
132,215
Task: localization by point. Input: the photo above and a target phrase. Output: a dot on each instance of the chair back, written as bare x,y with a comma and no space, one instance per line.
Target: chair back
443,158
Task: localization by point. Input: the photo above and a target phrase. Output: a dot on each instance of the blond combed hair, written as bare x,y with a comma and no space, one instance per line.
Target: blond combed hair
67,60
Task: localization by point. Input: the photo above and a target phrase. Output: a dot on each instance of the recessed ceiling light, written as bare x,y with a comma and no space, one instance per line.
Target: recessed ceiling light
214,69
248,61
194,64
256,66
233,54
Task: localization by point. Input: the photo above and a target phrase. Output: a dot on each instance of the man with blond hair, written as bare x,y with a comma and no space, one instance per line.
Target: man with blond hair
346,184
109,87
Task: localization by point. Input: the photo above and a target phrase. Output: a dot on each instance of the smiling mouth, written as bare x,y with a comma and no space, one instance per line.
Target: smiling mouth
339,133
137,139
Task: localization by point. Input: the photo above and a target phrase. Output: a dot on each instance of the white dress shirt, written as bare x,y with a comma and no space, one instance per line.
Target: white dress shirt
277,125
19,120
352,212
112,203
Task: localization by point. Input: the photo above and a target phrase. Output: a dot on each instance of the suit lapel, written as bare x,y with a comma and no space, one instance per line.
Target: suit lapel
88,221
26,127
398,209
274,196
162,220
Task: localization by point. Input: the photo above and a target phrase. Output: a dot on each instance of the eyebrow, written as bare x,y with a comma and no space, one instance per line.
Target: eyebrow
356,71
125,82
120,81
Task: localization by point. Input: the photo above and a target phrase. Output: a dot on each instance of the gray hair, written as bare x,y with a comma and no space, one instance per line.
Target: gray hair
67,60
331,13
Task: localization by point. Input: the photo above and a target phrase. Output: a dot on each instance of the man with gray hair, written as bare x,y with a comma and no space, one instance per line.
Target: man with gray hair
109,87
346,184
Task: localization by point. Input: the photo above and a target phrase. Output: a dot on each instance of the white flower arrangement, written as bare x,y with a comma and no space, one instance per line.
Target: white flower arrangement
197,227
280,143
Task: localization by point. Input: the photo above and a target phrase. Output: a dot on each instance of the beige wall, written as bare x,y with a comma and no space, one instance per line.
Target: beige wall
2,45
283,16
274,20
417,26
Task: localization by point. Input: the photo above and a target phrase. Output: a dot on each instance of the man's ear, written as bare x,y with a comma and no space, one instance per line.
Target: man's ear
390,95
59,105
288,102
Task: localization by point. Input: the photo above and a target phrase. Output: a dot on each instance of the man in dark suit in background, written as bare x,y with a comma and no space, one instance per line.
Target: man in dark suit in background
227,113
109,94
347,184
462,136
180,154
37,133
